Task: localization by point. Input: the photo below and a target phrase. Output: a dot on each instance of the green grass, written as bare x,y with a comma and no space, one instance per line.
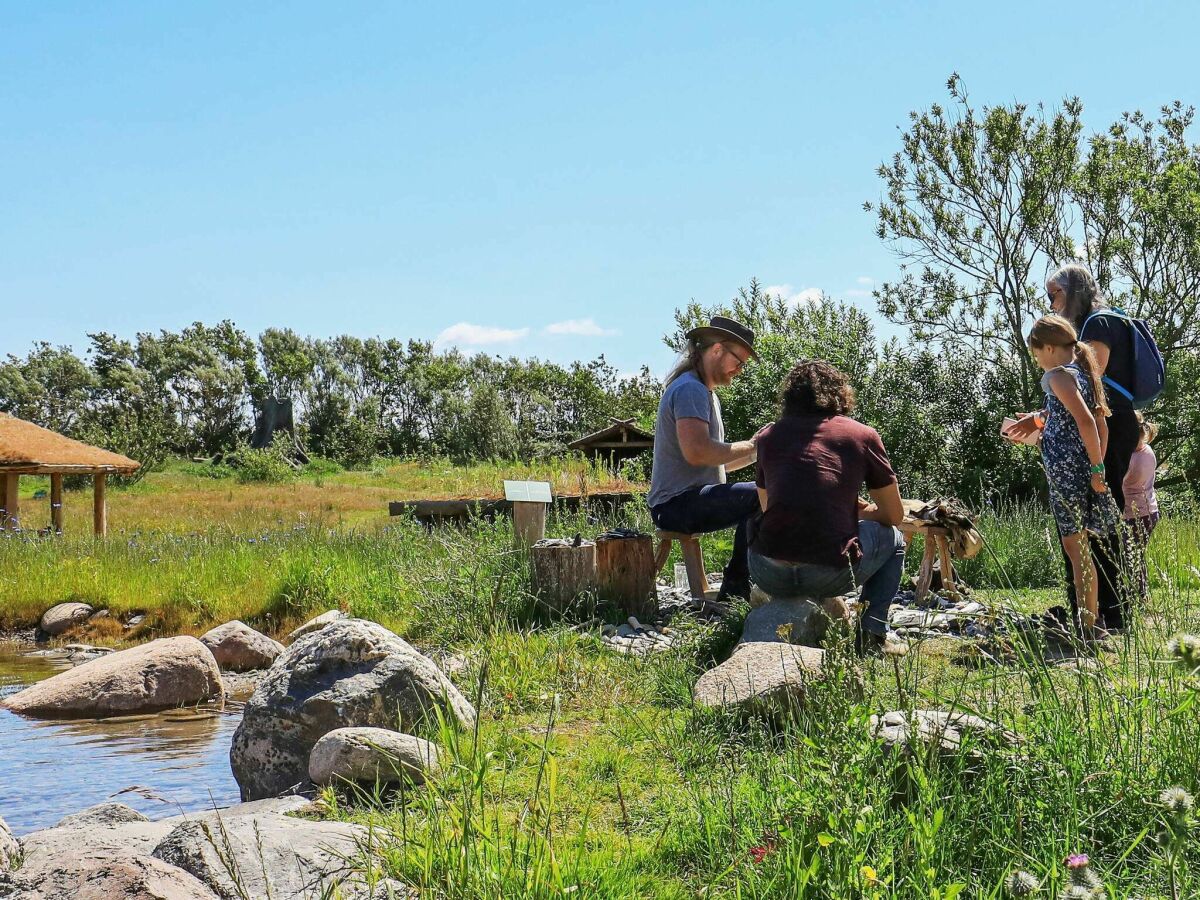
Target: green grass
591,775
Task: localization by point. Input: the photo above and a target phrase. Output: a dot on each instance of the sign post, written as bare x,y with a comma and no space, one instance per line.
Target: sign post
529,500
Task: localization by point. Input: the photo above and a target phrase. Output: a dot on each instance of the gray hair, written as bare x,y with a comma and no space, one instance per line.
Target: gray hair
1083,294
690,358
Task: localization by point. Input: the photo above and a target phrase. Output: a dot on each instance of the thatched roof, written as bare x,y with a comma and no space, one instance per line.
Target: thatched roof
29,448
621,433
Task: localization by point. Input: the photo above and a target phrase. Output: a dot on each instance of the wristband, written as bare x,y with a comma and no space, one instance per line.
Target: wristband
1098,469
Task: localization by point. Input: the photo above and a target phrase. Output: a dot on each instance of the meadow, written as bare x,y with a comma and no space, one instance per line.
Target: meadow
592,774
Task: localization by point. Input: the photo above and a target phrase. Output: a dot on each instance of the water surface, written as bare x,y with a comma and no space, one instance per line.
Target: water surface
162,765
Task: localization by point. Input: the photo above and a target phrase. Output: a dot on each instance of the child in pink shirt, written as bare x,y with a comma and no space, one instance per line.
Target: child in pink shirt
1141,506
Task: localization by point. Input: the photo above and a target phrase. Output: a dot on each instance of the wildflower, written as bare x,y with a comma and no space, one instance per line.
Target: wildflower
1077,861
1077,892
1021,884
1186,650
1177,800
758,854
870,876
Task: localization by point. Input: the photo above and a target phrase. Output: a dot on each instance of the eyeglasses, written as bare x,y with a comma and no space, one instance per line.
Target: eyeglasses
741,360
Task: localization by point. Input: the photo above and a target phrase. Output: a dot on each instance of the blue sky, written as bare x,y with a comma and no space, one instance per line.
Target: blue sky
537,179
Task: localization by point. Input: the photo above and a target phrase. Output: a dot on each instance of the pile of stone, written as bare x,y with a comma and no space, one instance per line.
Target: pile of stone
636,639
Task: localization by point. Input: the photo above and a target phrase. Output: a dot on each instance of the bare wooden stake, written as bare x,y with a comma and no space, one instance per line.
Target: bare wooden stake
99,507
56,510
12,500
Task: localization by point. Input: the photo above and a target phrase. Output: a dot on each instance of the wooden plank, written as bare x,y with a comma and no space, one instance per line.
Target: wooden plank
56,510
99,506
38,469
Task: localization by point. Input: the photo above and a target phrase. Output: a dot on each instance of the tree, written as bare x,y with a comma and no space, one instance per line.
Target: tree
973,203
49,387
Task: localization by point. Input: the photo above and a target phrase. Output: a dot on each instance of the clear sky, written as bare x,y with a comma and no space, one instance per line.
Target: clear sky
548,179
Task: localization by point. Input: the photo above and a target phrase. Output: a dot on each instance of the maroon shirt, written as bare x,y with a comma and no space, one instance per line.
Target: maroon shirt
813,468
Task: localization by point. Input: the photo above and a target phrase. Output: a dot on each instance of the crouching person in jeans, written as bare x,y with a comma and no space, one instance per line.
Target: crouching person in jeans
818,538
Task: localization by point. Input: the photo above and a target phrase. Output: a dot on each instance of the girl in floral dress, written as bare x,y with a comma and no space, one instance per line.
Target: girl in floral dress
1073,454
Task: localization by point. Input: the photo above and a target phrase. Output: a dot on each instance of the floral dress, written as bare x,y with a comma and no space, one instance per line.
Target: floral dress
1075,505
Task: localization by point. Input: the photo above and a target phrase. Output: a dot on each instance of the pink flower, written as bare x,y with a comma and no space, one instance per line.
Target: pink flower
1078,861
758,854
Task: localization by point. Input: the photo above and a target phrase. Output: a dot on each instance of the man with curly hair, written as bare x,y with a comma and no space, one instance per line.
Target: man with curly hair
688,491
818,538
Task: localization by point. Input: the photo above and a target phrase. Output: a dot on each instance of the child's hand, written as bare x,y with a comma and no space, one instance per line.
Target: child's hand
1098,484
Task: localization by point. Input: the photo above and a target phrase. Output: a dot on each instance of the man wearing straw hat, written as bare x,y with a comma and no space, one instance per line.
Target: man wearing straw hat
688,492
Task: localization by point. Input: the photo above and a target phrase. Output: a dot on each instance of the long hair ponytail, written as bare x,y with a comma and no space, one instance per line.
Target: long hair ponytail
1086,359
690,359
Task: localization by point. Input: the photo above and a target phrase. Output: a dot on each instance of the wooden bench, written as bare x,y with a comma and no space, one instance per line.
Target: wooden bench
693,559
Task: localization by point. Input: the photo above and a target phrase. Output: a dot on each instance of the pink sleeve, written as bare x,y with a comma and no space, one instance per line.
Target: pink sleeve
1141,472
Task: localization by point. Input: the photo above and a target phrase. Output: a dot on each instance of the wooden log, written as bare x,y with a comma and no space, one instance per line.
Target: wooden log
625,570
12,500
529,523
56,510
99,507
562,572
947,568
3,501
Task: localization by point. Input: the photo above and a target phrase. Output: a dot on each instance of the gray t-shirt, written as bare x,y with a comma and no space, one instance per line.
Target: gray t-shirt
686,397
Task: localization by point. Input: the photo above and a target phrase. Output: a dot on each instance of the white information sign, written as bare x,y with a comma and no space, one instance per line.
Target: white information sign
527,491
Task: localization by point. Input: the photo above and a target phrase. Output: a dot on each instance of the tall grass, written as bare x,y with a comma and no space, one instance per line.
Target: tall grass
590,774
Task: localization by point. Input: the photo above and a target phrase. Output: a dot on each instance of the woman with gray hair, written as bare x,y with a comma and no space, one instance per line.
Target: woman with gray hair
1074,294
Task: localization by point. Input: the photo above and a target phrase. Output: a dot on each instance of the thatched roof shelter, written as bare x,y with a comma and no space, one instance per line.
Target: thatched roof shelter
28,449
620,440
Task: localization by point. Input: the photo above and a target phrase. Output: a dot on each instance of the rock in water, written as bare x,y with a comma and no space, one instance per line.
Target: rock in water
371,755
350,673
177,671
110,813
761,678
239,648
325,618
62,616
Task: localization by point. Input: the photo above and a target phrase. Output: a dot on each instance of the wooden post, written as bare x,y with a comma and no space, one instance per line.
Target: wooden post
529,522
99,509
947,567
3,501
625,570
562,571
56,510
12,500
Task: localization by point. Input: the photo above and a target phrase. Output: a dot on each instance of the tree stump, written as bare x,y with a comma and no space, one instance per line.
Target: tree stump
562,571
625,571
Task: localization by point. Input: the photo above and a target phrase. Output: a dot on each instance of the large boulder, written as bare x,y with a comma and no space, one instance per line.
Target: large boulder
794,621
106,814
312,625
169,672
62,616
765,678
239,648
350,673
83,875
371,755
9,848
270,856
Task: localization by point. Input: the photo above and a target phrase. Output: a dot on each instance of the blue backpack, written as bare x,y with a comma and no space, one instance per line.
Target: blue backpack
1146,362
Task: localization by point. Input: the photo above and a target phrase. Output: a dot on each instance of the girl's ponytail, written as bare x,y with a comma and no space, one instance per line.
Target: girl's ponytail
1086,359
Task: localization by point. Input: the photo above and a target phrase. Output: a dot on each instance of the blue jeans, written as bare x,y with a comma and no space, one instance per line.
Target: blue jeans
713,508
878,572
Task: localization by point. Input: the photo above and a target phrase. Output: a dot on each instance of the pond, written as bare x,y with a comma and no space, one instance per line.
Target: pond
163,764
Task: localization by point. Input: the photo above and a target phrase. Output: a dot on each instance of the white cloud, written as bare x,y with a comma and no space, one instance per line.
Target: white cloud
863,279
579,328
792,296
856,294
470,335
